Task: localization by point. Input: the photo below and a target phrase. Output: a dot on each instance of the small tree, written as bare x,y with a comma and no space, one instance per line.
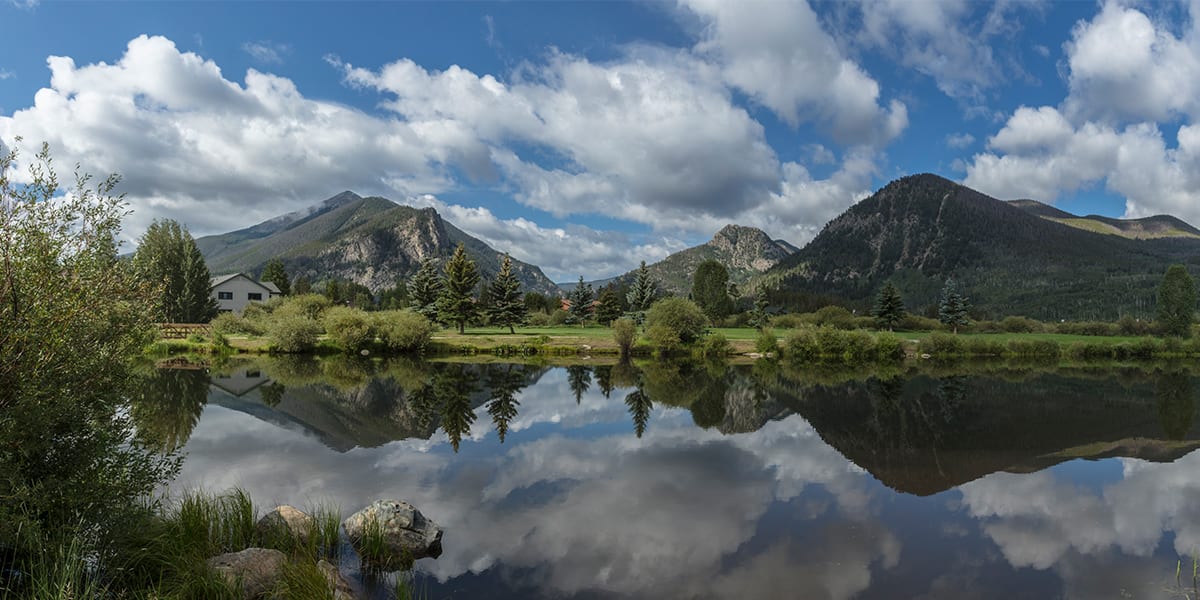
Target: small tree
710,289
952,310
644,290
889,307
1177,301
581,303
609,309
424,289
624,333
678,316
758,315
506,304
276,274
456,304
167,258
302,285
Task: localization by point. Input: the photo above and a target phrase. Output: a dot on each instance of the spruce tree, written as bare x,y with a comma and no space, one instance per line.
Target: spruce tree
581,303
758,315
424,289
275,273
1176,301
889,307
609,309
456,304
952,310
504,383
167,259
506,304
644,290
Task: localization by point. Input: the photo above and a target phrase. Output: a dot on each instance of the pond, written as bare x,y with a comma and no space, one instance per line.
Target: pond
694,480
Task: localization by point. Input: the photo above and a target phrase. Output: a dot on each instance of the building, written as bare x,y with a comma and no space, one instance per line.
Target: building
233,292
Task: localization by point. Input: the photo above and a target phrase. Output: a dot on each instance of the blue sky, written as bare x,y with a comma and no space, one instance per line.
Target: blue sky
585,137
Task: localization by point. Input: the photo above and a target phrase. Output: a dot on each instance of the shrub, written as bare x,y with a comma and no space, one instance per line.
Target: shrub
788,321
1021,325
228,323
310,305
1127,325
977,346
888,347
624,334
292,332
403,330
1091,350
558,317
1144,348
834,316
912,322
1086,328
714,346
942,344
802,345
537,319
350,328
859,347
766,342
663,339
1048,349
680,315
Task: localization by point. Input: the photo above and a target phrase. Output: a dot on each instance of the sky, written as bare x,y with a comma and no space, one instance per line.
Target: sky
585,137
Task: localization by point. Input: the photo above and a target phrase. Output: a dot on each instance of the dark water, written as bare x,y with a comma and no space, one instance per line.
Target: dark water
694,481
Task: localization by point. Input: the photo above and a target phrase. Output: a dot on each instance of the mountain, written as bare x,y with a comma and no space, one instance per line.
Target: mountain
745,252
1011,258
372,241
1158,226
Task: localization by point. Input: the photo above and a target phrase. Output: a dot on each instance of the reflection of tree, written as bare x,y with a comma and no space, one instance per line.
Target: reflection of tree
168,406
452,386
272,393
424,405
624,374
580,379
1176,404
347,373
504,382
640,406
604,379
709,408
675,383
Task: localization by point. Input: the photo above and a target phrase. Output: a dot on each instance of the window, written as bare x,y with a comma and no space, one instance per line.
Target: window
254,296
224,295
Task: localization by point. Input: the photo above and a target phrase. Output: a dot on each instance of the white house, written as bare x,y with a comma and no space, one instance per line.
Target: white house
233,292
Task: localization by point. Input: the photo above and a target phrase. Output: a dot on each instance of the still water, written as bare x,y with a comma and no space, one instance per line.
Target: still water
708,481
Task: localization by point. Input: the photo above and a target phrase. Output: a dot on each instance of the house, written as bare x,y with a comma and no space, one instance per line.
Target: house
233,292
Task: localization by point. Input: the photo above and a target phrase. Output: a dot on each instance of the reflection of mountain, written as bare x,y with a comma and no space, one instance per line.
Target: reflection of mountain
363,413
925,435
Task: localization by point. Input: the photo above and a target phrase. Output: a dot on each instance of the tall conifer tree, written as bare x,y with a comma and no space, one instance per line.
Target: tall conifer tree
457,301
506,304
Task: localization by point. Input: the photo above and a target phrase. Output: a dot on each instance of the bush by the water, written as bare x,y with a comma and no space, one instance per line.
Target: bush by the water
350,328
680,316
942,344
714,346
228,323
624,334
767,342
291,331
663,339
403,330
1045,349
835,345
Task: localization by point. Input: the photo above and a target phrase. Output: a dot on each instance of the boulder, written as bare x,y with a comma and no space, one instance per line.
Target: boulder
341,588
393,533
286,520
256,570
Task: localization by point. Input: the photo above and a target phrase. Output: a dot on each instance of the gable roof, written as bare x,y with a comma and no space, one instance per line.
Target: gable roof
220,279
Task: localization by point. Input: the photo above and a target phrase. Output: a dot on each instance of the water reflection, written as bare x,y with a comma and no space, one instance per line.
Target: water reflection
754,481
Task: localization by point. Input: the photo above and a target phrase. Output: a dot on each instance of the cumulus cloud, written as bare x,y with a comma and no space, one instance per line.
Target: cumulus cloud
958,141
779,54
266,52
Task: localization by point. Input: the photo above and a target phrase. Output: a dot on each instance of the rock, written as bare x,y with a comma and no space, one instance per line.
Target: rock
286,520
405,533
256,569
341,587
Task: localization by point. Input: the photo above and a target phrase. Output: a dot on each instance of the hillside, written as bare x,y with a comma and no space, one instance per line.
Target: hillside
745,252
372,241
1158,226
1012,258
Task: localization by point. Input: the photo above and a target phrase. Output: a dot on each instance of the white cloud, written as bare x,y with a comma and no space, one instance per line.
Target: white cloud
959,141
6,74
778,53
267,52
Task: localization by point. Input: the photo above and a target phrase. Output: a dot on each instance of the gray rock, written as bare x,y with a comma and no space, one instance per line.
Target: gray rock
341,588
286,520
256,570
405,534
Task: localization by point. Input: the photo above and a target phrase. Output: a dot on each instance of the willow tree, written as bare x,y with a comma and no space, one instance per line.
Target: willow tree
168,259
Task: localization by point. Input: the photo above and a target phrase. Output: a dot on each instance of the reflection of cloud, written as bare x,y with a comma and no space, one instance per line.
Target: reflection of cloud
578,509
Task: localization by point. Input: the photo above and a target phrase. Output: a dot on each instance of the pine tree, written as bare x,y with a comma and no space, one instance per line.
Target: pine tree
644,291
609,309
889,307
952,310
710,289
640,407
758,315
506,303
581,303
167,258
275,273
424,289
456,304
579,378
1177,301
504,382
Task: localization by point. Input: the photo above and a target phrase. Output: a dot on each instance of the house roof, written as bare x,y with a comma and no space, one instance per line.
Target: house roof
218,280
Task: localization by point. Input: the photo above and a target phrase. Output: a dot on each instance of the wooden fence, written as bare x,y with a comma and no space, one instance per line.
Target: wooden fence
178,331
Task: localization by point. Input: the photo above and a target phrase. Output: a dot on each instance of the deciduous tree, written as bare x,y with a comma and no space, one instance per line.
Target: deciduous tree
167,258
710,289
1177,301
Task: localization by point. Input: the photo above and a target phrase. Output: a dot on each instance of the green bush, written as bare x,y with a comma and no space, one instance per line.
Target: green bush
350,328
714,346
1021,325
292,332
680,315
888,347
537,319
1091,351
1127,325
912,322
403,330
624,334
663,339
766,342
1144,348
788,321
228,323
1047,349
942,344
1098,328
979,346
557,318
834,316
859,347
310,305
